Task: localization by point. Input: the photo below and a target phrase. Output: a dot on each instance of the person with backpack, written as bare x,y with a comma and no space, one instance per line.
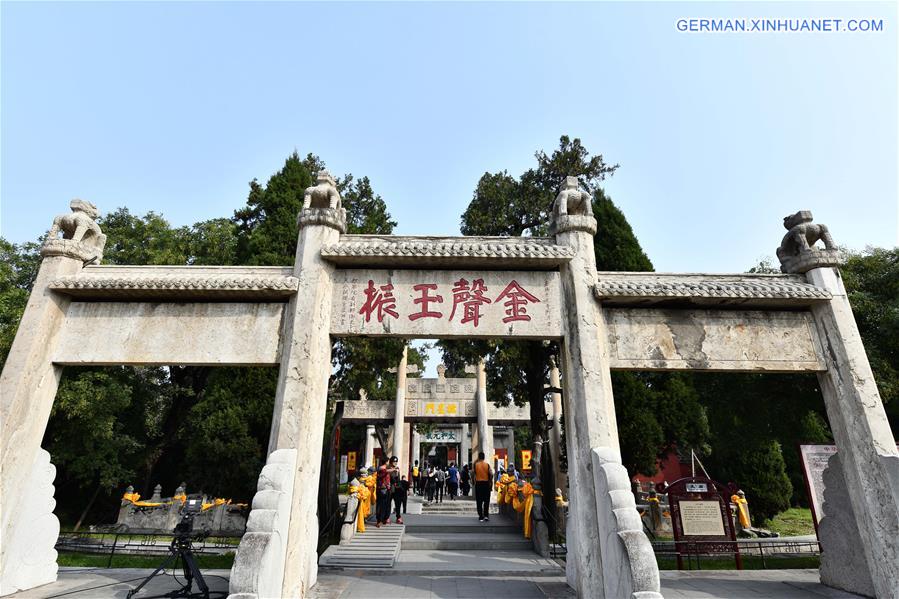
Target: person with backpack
452,481
415,484
384,486
441,483
466,479
431,482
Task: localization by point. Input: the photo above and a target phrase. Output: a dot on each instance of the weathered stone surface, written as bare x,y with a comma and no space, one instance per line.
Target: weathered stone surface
867,449
643,289
383,302
620,524
348,528
555,434
146,333
301,397
460,252
400,448
27,387
259,563
589,412
31,559
485,432
842,555
653,339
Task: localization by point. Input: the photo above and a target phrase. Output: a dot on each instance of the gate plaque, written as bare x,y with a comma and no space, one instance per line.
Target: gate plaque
446,303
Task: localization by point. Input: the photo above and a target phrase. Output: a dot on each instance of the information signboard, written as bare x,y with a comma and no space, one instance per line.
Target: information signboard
701,519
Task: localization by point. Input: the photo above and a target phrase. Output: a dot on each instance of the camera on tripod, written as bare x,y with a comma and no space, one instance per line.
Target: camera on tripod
181,547
185,527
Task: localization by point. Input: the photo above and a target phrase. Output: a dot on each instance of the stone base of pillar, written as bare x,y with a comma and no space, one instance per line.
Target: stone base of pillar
348,529
258,569
625,548
842,555
35,534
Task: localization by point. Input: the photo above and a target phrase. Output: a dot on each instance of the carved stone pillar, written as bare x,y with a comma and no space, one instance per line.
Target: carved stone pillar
485,432
416,446
556,432
609,556
465,446
301,395
370,445
868,458
399,415
27,389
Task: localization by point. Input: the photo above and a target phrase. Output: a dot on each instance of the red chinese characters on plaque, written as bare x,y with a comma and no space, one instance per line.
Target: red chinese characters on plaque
517,301
470,301
380,300
471,298
424,300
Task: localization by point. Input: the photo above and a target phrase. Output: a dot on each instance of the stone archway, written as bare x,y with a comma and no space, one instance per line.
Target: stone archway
82,313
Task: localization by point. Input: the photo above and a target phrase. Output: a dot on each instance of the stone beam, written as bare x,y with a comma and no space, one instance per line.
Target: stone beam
179,283
145,333
354,251
455,411
446,304
737,340
642,289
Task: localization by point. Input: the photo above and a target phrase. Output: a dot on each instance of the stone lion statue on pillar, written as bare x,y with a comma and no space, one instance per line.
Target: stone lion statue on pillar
323,194
81,235
797,251
80,225
572,200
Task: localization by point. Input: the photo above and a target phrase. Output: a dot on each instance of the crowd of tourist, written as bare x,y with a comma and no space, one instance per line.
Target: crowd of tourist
431,481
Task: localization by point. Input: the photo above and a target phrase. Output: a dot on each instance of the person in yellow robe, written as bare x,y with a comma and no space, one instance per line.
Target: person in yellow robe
742,509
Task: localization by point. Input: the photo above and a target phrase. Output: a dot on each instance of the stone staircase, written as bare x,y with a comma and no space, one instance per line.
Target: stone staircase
444,538
375,548
451,540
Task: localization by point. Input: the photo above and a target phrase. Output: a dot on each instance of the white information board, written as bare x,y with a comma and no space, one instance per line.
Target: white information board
701,518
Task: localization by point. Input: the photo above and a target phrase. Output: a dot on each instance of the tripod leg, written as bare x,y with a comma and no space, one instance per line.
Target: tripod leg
191,562
161,567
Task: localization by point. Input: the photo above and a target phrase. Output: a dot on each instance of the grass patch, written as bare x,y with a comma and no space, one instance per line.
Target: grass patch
750,562
793,522
92,560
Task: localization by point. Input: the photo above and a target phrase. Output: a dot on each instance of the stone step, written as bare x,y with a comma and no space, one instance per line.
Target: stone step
466,541
476,563
375,548
469,527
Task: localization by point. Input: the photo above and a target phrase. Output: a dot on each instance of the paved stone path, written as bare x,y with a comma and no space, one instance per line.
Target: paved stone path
82,583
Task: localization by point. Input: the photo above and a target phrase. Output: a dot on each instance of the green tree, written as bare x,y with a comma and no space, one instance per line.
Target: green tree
872,282
645,404
267,226
88,439
19,264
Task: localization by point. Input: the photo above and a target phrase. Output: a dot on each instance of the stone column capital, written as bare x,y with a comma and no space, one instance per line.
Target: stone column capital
334,218
68,248
573,222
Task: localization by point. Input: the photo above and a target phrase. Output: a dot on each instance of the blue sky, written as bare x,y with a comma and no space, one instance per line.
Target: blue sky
176,107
